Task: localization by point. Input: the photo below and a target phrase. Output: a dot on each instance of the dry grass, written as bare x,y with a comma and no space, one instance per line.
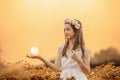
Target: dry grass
24,71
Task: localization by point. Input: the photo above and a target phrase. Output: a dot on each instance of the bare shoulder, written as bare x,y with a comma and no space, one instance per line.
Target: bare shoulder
60,48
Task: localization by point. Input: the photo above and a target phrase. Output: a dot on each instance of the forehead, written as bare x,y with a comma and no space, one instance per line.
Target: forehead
67,26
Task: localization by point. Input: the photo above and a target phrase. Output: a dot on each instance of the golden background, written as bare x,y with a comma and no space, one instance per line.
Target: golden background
27,23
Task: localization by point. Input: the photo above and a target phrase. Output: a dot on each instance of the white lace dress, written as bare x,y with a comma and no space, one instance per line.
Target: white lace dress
70,68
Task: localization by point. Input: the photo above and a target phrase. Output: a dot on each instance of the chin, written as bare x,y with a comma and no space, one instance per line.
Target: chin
67,36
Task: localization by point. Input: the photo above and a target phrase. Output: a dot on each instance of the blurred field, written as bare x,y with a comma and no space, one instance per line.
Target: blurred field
24,71
105,65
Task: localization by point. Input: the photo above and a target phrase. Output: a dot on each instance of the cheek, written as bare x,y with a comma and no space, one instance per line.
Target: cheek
72,33
67,32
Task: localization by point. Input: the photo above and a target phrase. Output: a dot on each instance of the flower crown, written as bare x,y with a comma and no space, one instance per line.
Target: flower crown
73,22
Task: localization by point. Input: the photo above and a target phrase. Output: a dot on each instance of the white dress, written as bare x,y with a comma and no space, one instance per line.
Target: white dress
70,68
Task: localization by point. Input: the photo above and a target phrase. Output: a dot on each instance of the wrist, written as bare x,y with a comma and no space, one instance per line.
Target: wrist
79,61
41,58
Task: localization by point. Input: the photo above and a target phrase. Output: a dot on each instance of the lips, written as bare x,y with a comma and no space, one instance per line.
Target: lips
67,36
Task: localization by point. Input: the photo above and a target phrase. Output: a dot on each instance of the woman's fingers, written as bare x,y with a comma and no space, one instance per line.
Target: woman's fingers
74,56
32,56
28,55
73,51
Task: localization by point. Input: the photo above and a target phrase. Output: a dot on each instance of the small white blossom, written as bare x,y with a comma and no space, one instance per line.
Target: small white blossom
73,22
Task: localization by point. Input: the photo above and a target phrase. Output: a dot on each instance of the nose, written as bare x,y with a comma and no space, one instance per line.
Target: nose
65,32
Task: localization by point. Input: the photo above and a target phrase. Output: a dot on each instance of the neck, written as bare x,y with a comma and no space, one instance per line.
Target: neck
71,42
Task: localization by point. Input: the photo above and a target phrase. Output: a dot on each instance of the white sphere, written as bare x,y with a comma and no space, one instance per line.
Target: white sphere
34,50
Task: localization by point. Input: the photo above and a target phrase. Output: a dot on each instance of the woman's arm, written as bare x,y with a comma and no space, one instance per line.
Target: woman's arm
85,62
55,66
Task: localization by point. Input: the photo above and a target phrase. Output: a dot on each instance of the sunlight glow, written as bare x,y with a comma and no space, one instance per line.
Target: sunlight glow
34,50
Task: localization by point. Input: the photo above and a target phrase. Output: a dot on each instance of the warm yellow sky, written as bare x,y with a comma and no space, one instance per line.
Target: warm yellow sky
25,23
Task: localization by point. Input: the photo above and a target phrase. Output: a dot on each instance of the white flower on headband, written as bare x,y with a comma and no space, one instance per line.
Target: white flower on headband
73,22
77,26
68,20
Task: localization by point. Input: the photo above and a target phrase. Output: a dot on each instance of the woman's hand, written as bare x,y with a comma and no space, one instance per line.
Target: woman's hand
75,57
83,62
33,56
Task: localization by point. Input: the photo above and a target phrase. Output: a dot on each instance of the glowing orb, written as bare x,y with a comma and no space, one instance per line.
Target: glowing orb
34,50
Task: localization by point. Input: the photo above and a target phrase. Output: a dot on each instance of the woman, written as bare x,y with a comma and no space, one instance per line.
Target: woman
72,56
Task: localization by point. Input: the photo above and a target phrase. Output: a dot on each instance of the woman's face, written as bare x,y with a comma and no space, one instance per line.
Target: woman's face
68,31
